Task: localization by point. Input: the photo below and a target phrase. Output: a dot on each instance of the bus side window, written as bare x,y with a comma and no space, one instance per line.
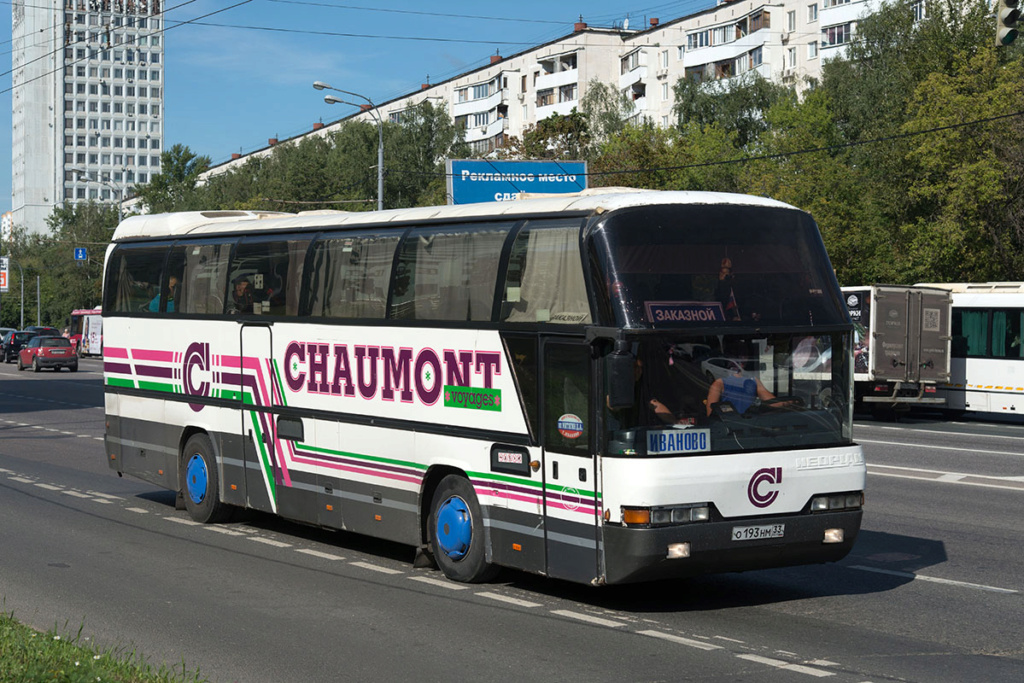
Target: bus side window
448,273
350,275
522,352
205,279
133,280
274,271
544,283
566,388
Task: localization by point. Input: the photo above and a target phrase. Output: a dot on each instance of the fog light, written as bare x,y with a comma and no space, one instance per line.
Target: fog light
833,535
678,551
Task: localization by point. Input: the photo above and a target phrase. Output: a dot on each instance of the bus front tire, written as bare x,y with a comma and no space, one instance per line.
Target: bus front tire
457,532
200,483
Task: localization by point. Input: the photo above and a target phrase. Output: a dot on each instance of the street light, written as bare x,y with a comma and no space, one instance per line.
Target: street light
331,99
82,173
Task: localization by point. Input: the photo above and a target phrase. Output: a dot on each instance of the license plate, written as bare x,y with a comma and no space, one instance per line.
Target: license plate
754,533
56,353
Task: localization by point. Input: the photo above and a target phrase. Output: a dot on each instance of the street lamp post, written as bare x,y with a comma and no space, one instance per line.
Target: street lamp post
118,191
331,99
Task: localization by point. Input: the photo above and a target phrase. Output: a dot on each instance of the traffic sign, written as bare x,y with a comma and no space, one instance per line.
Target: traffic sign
3,274
80,254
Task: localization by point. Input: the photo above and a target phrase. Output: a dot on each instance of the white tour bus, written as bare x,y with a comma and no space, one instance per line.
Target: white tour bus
987,364
604,388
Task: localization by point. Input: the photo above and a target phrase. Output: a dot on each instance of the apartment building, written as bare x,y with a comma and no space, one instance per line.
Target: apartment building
87,102
783,41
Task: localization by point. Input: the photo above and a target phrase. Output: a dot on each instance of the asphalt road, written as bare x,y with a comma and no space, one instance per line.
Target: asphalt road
933,591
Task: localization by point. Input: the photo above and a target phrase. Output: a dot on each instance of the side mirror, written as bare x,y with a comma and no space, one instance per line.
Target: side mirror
621,380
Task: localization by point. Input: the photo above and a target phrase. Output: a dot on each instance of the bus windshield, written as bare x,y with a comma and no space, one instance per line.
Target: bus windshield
714,394
701,265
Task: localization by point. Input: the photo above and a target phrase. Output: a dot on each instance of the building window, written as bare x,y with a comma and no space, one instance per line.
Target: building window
567,93
791,20
812,13
664,59
834,3
812,50
791,57
545,97
630,62
836,35
481,119
756,57
664,92
680,52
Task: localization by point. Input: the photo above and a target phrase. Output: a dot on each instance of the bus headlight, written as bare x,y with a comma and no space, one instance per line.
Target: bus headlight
666,516
838,501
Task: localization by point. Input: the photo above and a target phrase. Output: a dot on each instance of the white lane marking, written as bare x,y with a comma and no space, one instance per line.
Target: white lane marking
141,511
587,618
700,645
317,553
450,585
270,541
731,640
937,432
23,480
68,433
822,662
779,664
950,481
3,471
511,601
104,502
951,477
77,494
933,579
182,520
375,568
104,495
938,448
49,487
225,531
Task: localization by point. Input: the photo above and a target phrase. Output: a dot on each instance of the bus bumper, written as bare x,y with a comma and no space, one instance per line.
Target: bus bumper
638,554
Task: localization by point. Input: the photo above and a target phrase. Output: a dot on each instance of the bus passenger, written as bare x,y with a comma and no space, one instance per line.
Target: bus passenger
738,389
243,298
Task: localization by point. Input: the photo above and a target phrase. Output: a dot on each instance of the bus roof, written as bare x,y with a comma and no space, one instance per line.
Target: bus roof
979,287
170,225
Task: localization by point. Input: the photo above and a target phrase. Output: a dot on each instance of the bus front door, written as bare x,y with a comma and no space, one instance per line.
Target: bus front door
571,499
268,482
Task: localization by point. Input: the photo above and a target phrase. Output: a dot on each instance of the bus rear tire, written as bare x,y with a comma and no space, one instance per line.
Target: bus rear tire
457,532
200,482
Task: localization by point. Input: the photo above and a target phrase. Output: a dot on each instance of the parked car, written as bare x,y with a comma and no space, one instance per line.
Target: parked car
12,343
48,352
4,331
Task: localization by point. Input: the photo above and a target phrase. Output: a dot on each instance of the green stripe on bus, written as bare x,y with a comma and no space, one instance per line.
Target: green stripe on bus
280,384
261,446
156,386
118,382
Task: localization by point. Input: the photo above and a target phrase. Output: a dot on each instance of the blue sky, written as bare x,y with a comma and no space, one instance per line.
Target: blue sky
230,84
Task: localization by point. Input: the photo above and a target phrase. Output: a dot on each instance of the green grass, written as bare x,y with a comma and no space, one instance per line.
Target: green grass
28,656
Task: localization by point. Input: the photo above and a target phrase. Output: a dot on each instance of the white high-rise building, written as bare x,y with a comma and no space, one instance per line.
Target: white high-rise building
87,102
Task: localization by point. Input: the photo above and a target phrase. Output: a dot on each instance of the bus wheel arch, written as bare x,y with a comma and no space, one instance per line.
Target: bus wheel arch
454,527
199,478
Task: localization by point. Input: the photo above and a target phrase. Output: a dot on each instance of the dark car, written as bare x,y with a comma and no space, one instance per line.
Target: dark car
48,352
43,329
12,343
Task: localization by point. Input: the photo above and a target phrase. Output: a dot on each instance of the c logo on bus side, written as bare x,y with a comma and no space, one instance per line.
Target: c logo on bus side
196,372
768,475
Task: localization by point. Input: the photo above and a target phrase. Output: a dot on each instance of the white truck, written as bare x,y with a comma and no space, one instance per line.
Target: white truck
902,346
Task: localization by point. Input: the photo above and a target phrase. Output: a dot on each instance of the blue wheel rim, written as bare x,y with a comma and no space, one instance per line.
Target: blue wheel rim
196,478
454,528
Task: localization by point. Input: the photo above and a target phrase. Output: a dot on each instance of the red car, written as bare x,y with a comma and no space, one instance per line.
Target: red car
48,352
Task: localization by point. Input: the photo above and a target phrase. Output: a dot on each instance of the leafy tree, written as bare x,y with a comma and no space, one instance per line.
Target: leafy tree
565,137
606,110
173,188
738,107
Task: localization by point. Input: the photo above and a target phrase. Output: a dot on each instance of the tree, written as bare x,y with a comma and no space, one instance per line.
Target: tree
565,137
173,189
738,107
606,110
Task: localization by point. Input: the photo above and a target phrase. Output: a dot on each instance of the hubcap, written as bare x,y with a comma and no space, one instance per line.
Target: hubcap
454,528
196,478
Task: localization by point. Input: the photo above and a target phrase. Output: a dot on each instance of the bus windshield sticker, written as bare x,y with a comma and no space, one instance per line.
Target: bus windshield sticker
685,311
570,426
677,441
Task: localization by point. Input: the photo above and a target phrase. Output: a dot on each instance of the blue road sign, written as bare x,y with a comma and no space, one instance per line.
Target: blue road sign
80,254
471,181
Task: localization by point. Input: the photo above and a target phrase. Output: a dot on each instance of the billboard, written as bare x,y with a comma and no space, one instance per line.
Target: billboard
471,181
